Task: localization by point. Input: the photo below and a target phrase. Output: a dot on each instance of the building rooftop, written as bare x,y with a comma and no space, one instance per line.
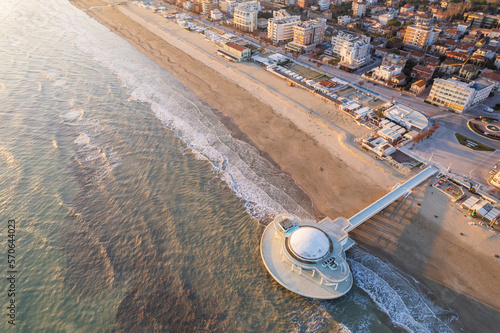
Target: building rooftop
309,243
481,83
236,46
419,83
308,258
408,117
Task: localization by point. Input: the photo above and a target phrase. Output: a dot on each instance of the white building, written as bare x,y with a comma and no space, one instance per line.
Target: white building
358,8
280,27
208,5
215,15
420,35
245,16
324,5
307,34
407,117
385,72
384,18
228,6
460,94
344,20
354,50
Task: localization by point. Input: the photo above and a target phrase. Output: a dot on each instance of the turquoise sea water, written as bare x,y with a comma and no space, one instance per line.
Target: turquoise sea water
135,209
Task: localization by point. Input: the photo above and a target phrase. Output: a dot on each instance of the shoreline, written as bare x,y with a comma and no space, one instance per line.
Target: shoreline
315,156
346,182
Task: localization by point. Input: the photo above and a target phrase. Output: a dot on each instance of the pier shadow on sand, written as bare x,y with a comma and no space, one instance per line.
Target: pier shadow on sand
409,234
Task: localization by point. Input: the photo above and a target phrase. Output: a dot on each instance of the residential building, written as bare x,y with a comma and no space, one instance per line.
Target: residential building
324,5
353,49
280,27
459,94
417,87
303,3
207,6
417,56
306,35
228,6
381,51
384,18
358,8
475,20
465,48
450,66
485,52
385,72
462,27
245,16
420,36
421,72
344,20
491,21
215,15
497,61
452,33
393,59
407,8
399,80
469,71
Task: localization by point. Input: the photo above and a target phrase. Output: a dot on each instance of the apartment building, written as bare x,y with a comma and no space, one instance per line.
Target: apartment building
459,94
280,27
420,36
344,20
307,34
324,5
245,16
393,59
228,6
385,72
353,49
208,5
358,8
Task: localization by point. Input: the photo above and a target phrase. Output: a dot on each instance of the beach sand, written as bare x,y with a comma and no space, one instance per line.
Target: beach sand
419,234
321,164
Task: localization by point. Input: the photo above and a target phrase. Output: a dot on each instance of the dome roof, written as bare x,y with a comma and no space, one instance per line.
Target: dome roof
309,243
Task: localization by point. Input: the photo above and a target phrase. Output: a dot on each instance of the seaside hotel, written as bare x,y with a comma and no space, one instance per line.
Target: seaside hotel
245,16
458,93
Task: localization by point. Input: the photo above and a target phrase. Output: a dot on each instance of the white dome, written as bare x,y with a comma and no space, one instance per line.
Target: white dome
309,243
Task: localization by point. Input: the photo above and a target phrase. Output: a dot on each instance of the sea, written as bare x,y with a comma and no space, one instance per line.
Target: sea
136,210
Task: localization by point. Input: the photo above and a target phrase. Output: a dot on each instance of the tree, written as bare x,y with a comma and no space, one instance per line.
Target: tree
395,42
393,23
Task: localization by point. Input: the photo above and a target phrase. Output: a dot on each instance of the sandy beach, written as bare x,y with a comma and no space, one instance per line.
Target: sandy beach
419,234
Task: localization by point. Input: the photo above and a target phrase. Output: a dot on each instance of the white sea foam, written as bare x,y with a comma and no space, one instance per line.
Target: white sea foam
208,139
192,120
397,296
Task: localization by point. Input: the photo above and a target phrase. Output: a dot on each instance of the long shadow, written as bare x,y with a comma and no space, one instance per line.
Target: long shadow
410,235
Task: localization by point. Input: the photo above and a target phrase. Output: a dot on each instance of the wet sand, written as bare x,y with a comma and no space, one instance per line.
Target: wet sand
423,240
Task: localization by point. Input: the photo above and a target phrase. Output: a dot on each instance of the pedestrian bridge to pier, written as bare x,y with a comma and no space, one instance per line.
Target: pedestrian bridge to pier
389,198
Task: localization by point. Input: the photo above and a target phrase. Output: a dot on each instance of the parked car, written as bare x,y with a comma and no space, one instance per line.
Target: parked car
488,109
